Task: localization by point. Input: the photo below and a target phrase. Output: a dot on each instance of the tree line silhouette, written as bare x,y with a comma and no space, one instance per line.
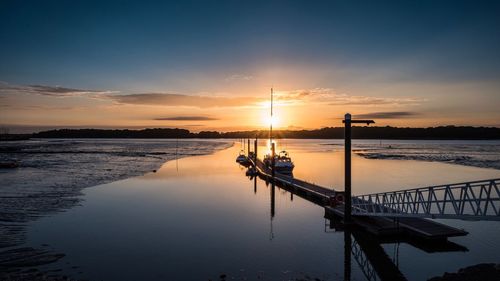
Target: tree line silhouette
365,132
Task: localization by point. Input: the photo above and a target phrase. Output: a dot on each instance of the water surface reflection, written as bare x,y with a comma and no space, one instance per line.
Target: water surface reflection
201,217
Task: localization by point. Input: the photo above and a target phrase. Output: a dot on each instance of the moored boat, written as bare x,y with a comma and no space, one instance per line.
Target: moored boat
242,158
283,163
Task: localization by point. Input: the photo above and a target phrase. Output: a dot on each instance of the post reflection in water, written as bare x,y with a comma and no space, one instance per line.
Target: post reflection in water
368,253
255,185
366,249
347,254
273,195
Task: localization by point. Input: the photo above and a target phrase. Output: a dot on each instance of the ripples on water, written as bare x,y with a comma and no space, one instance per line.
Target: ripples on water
484,154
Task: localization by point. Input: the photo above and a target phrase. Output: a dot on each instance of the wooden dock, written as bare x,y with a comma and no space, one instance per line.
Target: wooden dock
389,226
309,190
378,226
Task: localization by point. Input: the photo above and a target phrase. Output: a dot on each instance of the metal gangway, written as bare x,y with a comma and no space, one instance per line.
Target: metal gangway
478,200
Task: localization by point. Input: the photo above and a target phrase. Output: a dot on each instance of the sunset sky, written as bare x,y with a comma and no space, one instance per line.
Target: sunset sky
209,65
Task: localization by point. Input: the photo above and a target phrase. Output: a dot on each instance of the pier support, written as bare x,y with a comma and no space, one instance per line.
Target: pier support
347,167
347,150
255,151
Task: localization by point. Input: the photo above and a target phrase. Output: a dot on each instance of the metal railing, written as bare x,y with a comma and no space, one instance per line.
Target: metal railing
479,200
363,262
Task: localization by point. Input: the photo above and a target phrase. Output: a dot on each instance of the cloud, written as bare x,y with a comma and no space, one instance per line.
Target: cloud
187,118
293,96
164,99
239,77
386,115
161,99
331,97
365,100
326,96
37,107
53,91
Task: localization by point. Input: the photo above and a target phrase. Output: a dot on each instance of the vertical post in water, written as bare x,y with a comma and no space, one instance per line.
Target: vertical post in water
255,152
273,160
248,146
347,148
347,135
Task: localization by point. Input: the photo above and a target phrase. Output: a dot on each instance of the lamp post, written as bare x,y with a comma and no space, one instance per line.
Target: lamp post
347,139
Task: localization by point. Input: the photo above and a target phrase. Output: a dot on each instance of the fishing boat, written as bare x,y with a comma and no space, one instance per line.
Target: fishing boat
283,163
242,158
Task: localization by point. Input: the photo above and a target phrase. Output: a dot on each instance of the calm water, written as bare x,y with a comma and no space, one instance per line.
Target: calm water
200,217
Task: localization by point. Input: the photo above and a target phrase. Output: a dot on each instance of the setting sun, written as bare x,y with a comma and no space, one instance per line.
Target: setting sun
274,121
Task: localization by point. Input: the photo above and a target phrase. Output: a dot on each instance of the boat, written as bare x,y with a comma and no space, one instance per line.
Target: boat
242,158
283,163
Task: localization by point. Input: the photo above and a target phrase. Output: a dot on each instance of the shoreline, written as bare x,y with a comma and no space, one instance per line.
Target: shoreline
50,179
17,209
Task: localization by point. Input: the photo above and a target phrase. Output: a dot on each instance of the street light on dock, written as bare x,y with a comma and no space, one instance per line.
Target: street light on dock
347,136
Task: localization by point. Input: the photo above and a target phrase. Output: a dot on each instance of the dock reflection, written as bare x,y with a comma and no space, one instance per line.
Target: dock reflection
365,248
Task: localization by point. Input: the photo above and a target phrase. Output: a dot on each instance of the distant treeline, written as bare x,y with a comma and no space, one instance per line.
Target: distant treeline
102,133
445,132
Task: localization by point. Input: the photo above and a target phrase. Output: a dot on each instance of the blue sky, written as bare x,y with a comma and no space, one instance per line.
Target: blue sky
410,49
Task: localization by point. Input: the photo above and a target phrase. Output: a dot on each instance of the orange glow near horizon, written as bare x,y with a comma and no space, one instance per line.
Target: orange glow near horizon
237,111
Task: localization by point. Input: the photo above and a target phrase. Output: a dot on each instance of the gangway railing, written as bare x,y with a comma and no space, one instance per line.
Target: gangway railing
363,262
478,200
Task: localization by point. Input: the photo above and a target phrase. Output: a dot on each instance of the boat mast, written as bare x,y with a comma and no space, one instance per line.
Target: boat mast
271,121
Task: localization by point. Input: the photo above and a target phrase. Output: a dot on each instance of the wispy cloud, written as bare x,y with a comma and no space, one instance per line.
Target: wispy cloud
186,118
326,96
157,99
387,115
332,97
239,77
37,107
164,99
53,91
368,101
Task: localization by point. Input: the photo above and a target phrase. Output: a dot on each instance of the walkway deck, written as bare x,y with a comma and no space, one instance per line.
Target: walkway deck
311,190
379,226
388,226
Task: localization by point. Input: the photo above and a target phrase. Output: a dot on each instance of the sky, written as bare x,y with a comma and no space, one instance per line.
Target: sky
210,65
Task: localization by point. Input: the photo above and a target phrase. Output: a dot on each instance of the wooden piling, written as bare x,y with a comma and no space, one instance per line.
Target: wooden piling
347,157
